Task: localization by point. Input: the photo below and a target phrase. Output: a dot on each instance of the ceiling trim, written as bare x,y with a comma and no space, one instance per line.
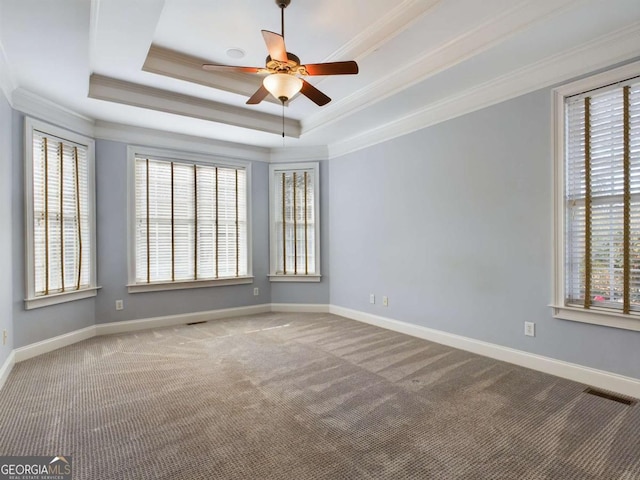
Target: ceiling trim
128,93
177,141
174,64
34,105
469,43
384,29
604,51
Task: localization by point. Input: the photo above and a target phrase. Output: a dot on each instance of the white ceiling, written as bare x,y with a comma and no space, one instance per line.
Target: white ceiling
421,61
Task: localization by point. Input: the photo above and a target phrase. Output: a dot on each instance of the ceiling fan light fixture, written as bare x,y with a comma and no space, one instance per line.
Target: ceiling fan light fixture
283,69
283,86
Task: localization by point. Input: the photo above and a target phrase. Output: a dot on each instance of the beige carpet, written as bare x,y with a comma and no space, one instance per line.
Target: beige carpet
307,396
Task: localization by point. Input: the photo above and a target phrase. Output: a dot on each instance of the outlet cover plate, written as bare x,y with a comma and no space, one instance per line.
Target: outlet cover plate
530,329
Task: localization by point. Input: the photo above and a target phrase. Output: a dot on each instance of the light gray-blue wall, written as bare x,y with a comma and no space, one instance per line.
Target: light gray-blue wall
6,280
454,224
312,293
32,326
111,186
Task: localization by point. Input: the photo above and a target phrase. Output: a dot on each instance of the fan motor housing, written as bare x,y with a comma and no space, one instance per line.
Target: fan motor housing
283,67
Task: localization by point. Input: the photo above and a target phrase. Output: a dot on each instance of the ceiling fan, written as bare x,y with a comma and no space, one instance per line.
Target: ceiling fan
284,69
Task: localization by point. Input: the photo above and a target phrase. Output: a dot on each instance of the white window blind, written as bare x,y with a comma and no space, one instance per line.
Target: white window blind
190,221
61,220
294,215
602,198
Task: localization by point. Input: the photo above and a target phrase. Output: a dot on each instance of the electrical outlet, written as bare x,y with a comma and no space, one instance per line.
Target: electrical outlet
530,329
372,298
385,301
256,291
119,305
4,337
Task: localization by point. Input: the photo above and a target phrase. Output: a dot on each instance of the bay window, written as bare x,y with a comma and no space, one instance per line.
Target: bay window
189,222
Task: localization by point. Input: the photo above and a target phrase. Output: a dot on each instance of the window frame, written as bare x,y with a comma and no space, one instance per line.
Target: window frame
134,151
593,315
32,301
279,168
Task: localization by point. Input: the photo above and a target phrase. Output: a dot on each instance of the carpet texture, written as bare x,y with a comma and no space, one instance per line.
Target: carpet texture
307,396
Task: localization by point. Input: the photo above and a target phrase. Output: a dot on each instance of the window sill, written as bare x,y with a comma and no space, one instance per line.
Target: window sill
56,298
294,278
164,286
597,316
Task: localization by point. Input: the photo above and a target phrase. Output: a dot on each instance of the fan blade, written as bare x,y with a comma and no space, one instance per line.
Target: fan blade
333,68
313,94
257,97
230,68
275,45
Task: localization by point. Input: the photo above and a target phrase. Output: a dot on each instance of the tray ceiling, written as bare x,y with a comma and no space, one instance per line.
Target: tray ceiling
421,61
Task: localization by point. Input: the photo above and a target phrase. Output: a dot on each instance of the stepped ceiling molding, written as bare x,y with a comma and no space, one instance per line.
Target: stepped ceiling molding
112,64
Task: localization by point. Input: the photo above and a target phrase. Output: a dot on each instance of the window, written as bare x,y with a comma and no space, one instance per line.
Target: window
60,228
599,225
190,225
295,223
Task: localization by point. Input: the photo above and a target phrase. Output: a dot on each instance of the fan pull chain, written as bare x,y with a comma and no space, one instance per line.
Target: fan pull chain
283,123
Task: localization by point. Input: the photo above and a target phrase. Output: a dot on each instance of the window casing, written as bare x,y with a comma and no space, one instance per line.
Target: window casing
189,221
294,222
597,230
59,215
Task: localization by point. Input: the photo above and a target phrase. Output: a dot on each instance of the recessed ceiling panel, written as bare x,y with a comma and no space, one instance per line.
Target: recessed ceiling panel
313,29
414,56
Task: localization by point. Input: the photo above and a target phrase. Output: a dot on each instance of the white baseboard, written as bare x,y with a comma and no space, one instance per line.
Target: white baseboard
51,344
578,373
180,319
571,371
299,308
6,368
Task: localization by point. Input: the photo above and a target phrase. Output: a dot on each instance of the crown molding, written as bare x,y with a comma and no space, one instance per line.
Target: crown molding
299,154
384,29
617,47
34,105
469,43
604,51
127,93
177,141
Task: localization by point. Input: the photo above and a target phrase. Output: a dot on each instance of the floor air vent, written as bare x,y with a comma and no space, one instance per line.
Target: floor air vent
610,396
197,323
